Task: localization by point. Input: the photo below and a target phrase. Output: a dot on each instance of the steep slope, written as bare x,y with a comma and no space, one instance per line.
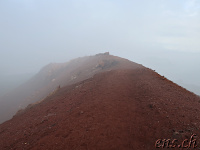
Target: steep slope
53,75
118,109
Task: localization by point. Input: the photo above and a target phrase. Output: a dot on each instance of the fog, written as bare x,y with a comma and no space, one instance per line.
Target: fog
160,34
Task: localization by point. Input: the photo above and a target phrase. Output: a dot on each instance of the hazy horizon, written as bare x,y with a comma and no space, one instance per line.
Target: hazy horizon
160,34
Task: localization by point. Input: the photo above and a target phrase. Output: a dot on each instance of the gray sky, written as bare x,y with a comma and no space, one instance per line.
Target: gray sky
156,33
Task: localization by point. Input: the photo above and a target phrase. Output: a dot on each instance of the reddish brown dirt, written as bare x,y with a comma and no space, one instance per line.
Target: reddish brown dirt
116,110
53,75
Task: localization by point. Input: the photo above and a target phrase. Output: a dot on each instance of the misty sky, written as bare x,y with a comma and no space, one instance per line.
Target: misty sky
156,33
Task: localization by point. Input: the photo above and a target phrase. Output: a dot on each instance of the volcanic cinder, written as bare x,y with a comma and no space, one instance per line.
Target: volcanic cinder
106,103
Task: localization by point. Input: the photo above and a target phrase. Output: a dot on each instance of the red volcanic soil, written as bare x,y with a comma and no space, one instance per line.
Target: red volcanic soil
53,75
121,109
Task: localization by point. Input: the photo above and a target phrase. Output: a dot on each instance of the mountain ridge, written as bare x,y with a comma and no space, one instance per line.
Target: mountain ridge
58,74
116,109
